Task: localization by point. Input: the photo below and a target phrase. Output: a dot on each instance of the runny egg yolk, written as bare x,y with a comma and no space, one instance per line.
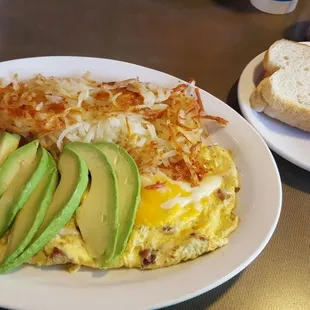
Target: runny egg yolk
172,203
151,213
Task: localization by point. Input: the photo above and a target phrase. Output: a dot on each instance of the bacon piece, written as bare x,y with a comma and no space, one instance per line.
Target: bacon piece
148,257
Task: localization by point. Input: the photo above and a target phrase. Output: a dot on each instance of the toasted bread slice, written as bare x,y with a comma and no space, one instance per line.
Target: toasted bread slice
284,54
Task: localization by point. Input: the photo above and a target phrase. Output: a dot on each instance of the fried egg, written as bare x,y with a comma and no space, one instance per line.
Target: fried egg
168,202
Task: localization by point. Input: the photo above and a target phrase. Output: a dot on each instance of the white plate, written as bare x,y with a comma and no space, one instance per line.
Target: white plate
289,142
259,208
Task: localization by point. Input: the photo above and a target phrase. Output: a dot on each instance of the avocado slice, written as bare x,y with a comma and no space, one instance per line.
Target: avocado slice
8,144
12,165
31,216
73,182
19,190
97,217
128,183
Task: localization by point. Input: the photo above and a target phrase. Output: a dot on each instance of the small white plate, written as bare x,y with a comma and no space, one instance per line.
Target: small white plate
259,205
291,143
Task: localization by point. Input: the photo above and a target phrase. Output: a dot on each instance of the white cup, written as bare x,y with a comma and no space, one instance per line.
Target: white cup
275,6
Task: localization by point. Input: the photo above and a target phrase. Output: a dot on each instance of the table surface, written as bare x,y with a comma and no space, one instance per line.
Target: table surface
211,41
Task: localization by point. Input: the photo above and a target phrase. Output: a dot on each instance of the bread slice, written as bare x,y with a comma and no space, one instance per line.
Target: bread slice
284,54
285,95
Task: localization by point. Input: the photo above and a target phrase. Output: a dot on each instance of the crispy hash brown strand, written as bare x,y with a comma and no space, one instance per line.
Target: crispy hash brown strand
161,128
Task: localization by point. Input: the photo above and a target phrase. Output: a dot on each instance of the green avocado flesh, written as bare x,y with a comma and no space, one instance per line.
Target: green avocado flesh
12,165
21,187
29,219
8,144
128,183
73,182
97,217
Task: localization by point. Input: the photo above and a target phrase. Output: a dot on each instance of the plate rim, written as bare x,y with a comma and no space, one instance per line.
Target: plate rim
263,243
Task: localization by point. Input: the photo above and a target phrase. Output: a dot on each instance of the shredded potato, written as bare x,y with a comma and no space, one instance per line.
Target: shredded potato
161,128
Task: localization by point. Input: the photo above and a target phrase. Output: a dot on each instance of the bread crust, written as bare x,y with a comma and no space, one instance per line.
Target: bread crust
256,100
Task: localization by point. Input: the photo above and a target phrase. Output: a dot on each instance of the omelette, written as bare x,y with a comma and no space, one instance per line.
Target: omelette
188,187
195,220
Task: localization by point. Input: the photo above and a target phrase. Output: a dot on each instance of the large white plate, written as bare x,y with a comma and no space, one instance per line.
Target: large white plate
259,208
289,142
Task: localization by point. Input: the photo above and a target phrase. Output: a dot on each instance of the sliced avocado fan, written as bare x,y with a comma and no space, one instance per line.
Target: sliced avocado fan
31,216
21,187
73,182
12,165
97,217
128,183
8,144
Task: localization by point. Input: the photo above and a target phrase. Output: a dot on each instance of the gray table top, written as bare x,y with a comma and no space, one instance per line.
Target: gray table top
211,41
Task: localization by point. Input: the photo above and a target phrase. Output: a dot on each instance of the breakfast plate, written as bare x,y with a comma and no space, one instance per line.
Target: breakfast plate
291,143
258,206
